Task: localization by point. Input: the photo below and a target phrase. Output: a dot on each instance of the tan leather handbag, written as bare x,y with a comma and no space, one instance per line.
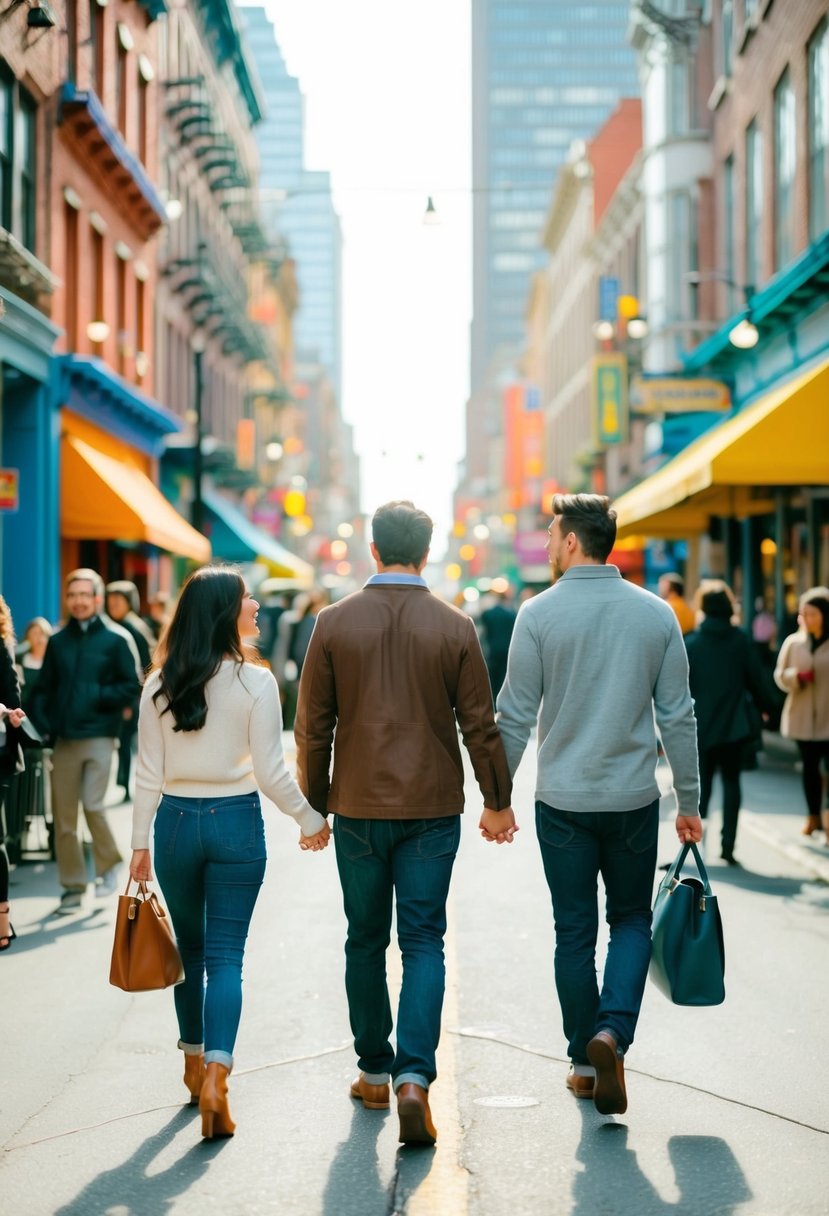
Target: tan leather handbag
144,953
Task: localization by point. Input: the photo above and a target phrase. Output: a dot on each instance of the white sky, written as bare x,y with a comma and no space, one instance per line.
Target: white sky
387,112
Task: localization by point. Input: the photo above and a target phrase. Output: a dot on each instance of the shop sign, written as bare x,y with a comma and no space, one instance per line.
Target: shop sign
675,395
9,489
610,399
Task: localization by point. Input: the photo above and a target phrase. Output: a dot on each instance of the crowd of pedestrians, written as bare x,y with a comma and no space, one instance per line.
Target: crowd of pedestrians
377,688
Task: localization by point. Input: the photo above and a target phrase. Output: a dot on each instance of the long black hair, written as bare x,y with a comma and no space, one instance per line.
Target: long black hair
204,631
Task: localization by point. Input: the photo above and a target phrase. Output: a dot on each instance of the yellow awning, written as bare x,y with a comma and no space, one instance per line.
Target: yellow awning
106,499
780,440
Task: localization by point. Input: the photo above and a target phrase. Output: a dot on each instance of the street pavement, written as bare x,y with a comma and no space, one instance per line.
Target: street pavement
728,1109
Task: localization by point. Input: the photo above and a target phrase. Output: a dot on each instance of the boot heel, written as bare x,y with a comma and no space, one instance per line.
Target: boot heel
207,1124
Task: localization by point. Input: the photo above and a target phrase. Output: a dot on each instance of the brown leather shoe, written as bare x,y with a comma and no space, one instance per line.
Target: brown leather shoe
609,1093
579,1085
373,1097
416,1126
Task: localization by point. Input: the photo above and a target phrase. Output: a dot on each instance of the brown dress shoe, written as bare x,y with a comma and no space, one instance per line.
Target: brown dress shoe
609,1093
373,1097
579,1085
416,1126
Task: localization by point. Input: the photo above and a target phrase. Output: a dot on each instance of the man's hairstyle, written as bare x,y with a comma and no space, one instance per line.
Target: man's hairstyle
591,518
715,598
401,533
674,581
88,576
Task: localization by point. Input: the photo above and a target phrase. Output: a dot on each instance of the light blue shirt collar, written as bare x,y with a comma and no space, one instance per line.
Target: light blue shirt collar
408,580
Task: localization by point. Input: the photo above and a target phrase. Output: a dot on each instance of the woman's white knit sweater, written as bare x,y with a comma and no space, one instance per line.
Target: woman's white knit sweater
238,749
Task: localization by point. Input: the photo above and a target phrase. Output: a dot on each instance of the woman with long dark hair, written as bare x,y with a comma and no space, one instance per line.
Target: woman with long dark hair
209,737
802,672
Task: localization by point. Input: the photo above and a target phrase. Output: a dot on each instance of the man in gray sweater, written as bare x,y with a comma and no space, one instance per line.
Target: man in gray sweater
595,662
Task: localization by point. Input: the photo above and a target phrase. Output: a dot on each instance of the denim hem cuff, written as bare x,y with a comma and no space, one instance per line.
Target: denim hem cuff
219,1057
191,1049
410,1078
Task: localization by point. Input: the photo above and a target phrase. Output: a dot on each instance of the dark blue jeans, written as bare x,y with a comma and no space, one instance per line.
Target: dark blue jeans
210,860
378,860
575,849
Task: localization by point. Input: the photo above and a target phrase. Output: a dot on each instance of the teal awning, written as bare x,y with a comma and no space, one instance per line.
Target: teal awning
234,538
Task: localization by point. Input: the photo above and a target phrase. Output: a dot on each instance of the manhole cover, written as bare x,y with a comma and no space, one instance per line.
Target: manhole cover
506,1100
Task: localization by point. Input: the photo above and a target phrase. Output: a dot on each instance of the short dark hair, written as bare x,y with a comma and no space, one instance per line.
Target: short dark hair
675,581
401,533
716,599
591,518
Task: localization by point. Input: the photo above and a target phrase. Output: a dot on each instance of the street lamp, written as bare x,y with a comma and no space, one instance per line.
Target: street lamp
197,345
744,334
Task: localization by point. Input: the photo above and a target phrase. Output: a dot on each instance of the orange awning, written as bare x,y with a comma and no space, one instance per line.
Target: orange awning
107,499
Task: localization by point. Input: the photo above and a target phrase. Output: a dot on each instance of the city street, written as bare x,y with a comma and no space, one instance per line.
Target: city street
727,1106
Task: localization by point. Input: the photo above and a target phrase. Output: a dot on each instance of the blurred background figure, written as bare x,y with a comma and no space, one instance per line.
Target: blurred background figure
122,605
671,588
802,672
497,623
10,759
727,687
29,655
293,635
159,611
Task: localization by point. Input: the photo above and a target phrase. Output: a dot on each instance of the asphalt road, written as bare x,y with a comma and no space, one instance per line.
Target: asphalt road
728,1110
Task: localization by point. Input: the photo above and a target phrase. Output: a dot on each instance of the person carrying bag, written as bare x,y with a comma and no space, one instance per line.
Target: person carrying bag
144,954
688,955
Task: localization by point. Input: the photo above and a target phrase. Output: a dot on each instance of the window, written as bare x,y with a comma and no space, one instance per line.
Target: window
121,312
121,88
26,155
96,40
7,86
785,136
70,222
72,40
140,323
18,149
754,204
98,280
726,36
142,118
728,203
818,131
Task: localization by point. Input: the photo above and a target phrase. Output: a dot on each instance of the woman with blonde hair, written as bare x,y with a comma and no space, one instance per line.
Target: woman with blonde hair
209,737
802,672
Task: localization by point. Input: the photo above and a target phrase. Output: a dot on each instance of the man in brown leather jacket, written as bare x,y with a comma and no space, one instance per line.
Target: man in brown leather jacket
395,671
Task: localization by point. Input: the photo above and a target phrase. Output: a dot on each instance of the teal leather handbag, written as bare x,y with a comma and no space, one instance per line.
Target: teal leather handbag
688,958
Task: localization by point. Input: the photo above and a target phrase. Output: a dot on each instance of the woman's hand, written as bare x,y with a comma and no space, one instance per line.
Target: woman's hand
317,842
140,868
16,716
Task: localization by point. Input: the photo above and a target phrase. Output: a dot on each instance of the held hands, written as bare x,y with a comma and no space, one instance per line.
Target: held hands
140,868
499,826
688,828
15,716
317,842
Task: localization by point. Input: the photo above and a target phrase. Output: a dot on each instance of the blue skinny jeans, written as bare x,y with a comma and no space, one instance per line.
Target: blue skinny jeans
210,860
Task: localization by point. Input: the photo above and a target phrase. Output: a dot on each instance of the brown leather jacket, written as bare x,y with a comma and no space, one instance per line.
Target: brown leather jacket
396,671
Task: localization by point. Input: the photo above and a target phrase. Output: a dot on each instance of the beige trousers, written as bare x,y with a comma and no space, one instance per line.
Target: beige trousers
80,773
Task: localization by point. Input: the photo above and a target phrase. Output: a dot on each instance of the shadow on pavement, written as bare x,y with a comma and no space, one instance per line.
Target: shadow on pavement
50,928
354,1186
769,884
132,1190
611,1175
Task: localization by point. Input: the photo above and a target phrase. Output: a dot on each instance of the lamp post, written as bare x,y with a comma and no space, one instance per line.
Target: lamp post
197,343
744,334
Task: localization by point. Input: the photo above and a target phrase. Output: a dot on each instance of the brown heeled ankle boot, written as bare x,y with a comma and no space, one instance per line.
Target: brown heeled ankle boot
194,1076
811,825
213,1107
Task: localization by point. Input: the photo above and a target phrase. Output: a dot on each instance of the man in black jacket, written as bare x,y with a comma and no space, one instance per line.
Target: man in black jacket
90,673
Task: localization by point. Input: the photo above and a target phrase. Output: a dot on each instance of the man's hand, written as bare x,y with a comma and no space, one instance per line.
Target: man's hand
688,828
140,868
16,716
499,826
317,842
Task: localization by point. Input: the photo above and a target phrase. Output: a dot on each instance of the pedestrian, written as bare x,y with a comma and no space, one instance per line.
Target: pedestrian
209,737
122,604
802,672
726,680
390,674
89,674
11,716
294,631
159,609
497,624
30,656
672,590
593,660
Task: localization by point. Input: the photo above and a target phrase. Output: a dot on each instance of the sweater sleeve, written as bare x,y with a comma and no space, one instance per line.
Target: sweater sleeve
149,770
520,696
785,675
477,723
674,711
269,767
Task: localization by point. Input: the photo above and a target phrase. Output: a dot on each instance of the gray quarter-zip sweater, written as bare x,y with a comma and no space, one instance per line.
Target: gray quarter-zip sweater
593,661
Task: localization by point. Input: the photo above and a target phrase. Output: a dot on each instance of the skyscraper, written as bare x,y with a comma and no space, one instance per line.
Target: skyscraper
297,203
544,74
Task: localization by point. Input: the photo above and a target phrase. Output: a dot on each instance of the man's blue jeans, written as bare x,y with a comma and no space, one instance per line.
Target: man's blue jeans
210,860
411,859
575,849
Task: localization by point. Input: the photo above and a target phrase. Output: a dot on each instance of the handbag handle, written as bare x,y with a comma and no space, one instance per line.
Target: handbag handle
671,878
